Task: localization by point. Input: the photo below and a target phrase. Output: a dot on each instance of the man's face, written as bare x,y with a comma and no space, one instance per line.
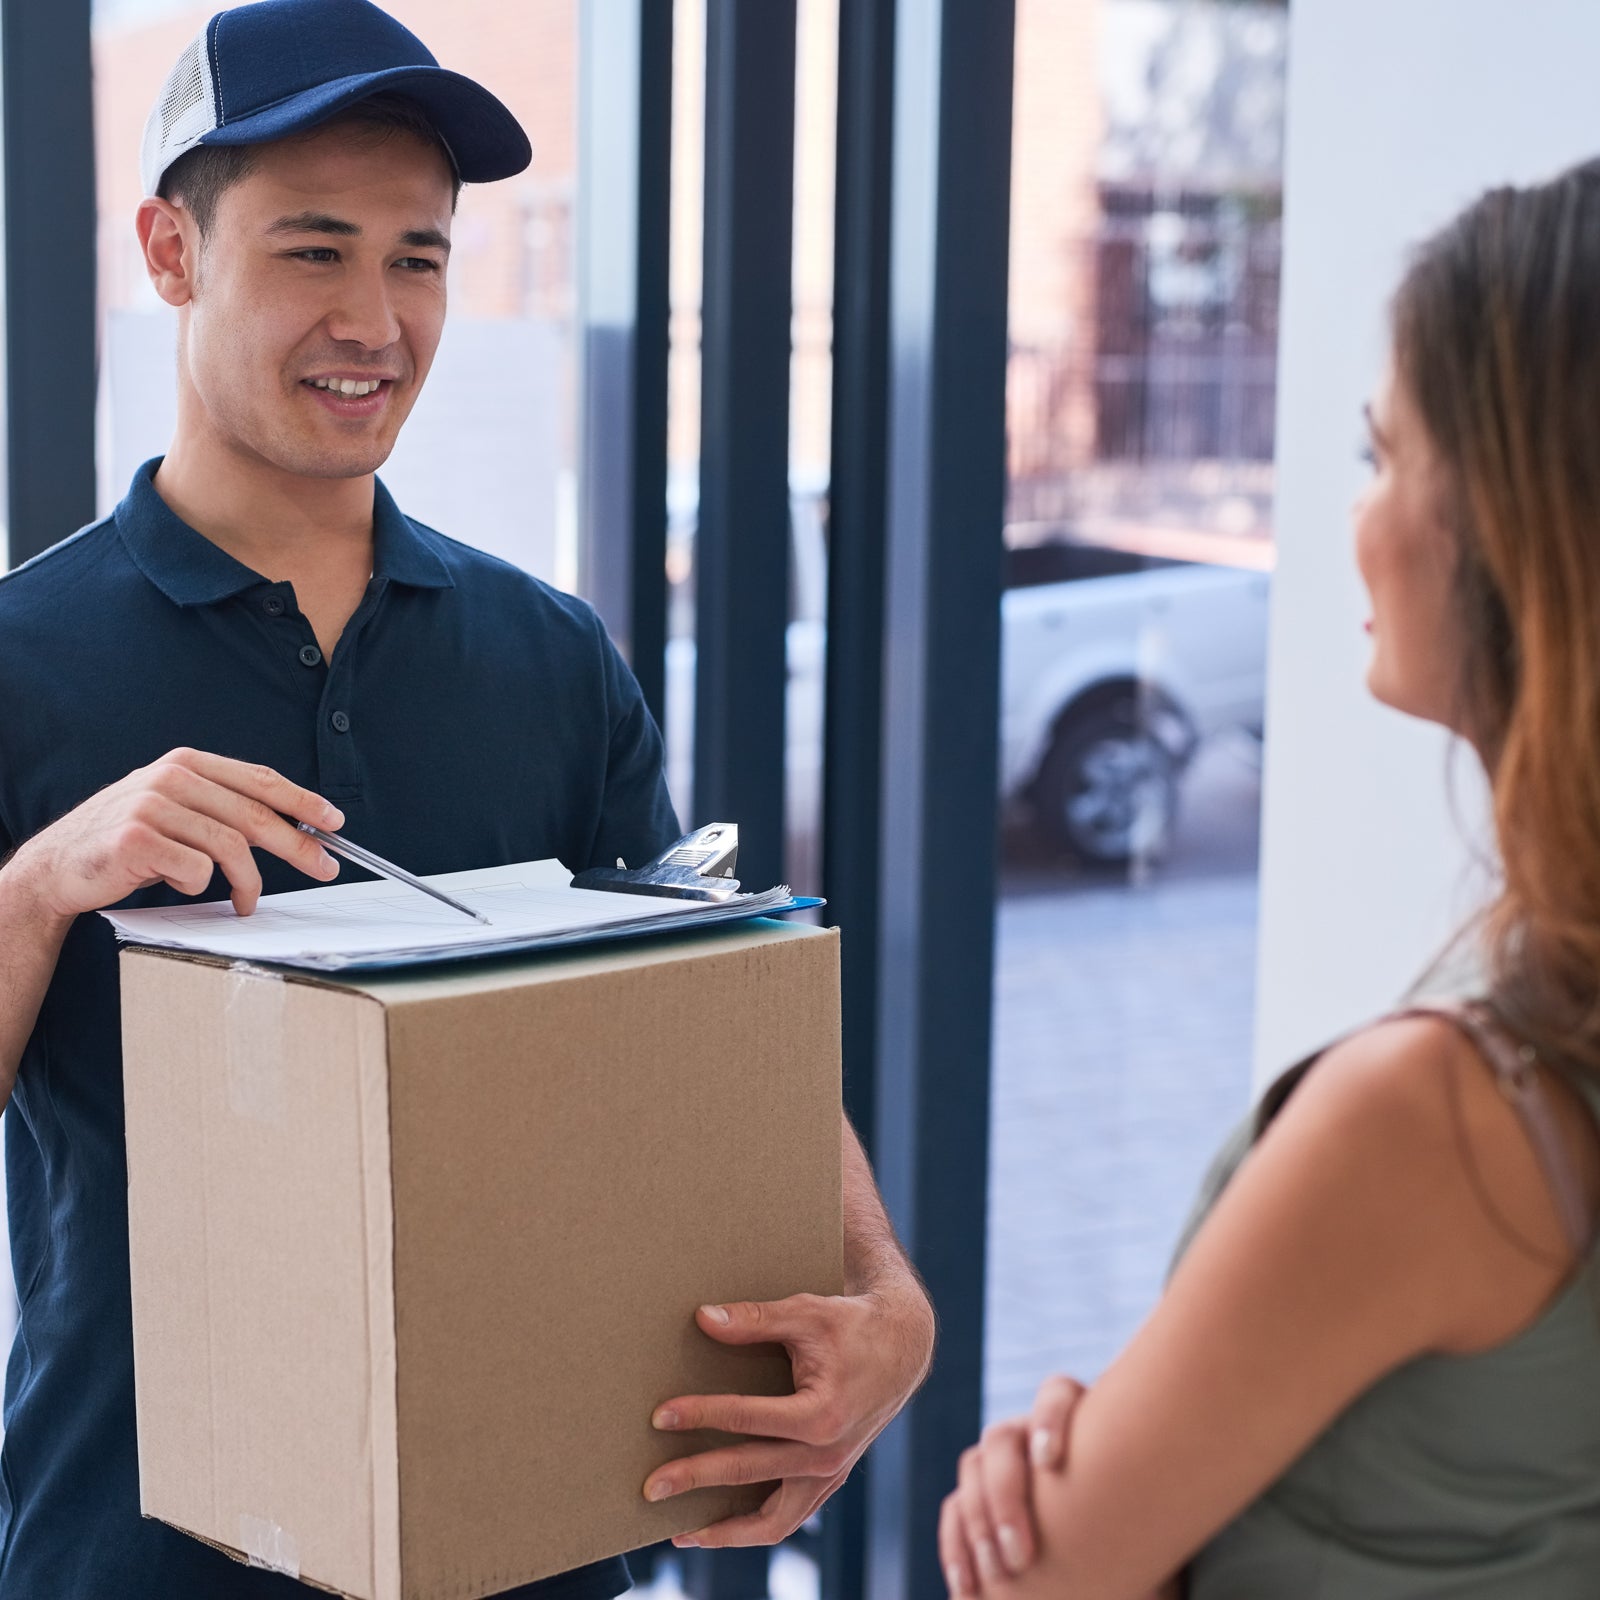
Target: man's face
323,272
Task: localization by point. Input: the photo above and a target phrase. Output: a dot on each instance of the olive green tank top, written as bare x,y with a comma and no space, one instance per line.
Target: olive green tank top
1454,1476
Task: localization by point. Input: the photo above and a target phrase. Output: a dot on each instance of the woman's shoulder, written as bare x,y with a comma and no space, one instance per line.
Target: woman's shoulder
1459,1159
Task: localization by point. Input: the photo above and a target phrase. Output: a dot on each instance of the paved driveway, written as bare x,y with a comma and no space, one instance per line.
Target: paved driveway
1123,1023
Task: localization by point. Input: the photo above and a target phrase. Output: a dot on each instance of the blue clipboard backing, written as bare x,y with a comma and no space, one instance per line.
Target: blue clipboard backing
714,916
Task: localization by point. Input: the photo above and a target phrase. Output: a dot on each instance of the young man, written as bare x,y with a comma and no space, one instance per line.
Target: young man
258,634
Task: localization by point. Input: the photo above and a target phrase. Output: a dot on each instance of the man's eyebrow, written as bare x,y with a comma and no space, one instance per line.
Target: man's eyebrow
315,222
321,222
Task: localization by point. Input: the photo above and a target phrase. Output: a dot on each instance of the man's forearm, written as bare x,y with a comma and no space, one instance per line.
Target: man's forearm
874,1260
871,1251
31,937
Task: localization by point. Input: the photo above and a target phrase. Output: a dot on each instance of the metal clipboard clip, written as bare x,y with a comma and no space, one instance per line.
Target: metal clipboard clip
698,867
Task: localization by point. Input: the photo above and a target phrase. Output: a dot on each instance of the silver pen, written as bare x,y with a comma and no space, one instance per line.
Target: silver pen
385,869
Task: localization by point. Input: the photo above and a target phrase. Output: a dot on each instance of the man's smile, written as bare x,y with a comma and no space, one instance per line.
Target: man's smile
346,385
349,396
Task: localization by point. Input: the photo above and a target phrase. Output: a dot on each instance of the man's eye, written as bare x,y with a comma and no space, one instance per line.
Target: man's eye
318,255
418,264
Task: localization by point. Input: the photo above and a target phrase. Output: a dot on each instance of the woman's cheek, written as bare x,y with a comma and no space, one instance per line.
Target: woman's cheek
1366,514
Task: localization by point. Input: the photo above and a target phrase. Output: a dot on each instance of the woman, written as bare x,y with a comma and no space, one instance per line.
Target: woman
1375,1372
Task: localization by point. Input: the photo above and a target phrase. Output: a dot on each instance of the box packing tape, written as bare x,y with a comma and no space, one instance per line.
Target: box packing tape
253,1024
266,1545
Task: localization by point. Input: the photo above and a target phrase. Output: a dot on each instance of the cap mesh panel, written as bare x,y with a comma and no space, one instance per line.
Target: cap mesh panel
181,117
185,89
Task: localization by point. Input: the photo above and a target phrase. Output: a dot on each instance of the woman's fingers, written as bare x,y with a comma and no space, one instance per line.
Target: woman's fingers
1050,1421
954,1558
976,1527
1004,1481
987,1528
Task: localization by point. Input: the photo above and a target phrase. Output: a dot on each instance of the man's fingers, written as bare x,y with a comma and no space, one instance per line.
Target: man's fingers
1004,1480
226,846
252,818
186,870
1053,1406
261,783
762,1321
954,1558
175,821
738,1464
790,1416
974,1513
784,1510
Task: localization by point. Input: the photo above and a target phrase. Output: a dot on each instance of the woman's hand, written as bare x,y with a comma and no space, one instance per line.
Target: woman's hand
988,1533
987,1529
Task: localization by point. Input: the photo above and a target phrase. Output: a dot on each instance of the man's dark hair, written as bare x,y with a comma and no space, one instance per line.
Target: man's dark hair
198,179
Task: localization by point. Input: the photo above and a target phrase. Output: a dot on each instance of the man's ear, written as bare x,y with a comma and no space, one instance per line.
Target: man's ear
170,242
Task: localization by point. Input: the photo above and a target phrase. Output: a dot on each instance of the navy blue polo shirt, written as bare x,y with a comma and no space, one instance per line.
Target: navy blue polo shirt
470,717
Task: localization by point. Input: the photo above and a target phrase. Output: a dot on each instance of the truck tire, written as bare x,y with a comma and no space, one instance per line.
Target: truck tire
1107,789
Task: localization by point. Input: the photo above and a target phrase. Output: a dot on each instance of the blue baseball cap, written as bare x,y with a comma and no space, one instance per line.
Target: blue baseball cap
276,67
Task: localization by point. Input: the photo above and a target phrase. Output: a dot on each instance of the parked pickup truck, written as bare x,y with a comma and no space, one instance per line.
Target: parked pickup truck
1114,669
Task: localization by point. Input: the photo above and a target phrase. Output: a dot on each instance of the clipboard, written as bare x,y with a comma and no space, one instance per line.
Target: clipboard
700,866
529,907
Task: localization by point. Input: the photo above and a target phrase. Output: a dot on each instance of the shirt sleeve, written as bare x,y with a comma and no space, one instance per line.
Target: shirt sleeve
637,820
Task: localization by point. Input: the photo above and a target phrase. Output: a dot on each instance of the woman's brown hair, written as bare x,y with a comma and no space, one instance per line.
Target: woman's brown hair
1497,340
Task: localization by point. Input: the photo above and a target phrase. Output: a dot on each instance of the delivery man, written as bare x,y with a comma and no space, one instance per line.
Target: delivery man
257,636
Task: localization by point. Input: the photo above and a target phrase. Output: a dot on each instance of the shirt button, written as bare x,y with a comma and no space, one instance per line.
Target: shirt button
310,656
273,605
341,723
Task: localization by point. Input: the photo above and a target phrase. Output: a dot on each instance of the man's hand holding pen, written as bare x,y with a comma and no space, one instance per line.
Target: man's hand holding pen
174,822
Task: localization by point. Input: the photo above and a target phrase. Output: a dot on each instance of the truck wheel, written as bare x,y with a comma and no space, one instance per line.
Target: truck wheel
1107,788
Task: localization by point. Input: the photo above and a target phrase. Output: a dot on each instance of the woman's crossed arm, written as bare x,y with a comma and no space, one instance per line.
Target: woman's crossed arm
1394,1207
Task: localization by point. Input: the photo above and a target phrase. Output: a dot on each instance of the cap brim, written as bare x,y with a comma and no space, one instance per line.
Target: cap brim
485,139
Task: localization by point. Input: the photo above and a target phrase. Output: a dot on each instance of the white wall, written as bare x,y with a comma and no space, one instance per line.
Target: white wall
1399,112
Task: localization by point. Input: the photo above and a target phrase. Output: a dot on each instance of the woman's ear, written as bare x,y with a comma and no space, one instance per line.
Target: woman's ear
170,242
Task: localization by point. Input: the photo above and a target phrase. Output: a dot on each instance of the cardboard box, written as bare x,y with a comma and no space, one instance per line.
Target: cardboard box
415,1256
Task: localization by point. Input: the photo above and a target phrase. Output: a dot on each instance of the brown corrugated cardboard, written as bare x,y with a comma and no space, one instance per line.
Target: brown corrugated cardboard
414,1257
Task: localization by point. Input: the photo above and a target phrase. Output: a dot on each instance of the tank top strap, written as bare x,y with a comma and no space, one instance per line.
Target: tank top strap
1514,1064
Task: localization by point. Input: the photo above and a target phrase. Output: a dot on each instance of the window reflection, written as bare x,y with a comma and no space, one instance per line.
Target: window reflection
810,392
1147,203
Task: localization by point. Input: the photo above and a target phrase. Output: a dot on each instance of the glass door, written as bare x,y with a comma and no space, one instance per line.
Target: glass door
1146,205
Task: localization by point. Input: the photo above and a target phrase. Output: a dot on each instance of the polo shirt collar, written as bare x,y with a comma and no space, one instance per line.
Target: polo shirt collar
401,552
191,571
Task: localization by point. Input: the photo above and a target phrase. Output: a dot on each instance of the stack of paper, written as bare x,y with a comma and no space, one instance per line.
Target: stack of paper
530,906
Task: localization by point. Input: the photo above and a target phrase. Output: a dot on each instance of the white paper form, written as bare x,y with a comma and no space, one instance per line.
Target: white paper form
353,924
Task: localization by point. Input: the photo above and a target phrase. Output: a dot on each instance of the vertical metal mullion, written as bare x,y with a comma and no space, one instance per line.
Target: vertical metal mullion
950,250
50,312
854,670
856,513
742,543
626,152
